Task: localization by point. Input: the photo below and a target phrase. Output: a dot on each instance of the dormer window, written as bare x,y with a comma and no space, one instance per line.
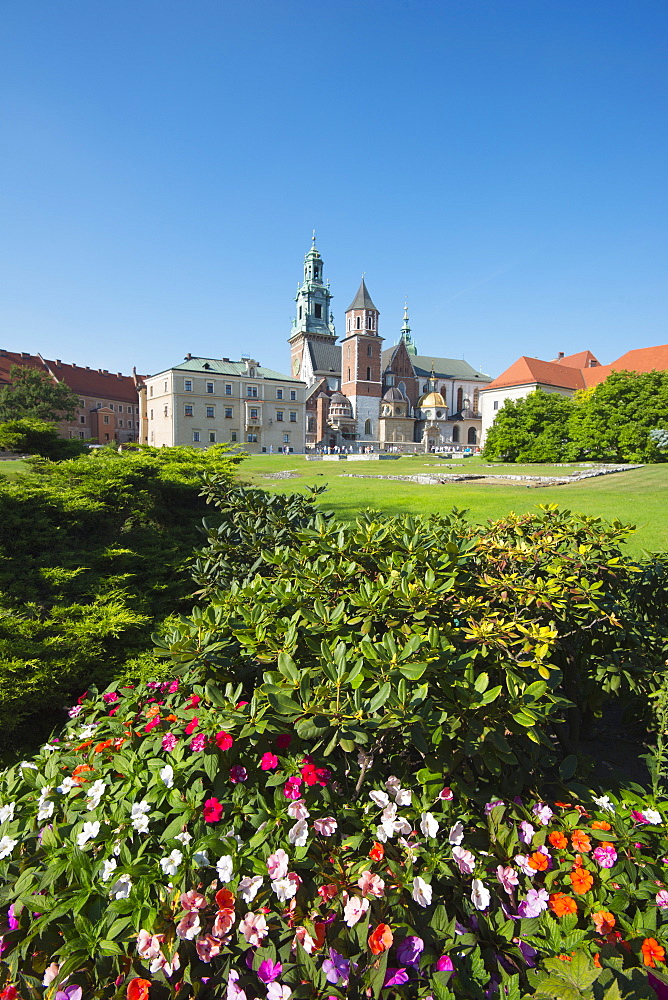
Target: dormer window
359,323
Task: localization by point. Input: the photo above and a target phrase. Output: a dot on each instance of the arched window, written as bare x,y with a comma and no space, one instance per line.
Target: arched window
368,374
348,321
367,427
402,388
472,436
476,401
455,433
425,387
349,374
359,323
460,399
368,322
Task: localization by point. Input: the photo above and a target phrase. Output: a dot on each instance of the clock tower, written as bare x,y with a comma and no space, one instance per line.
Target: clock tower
313,322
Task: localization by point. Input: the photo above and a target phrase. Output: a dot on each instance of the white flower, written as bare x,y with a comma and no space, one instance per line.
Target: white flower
225,868
28,763
402,825
46,808
201,858
277,992
421,891
49,747
184,837
7,845
110,866
403,797
138,815
325,826
652,816
456,834
66,787
89,831
464,859
381,799
285,888
86,732
170,864
354,910
298,833
167,775
479,895
50,973
429,824
381,834
7,812
298,810
387,818
249,887
140,824
393,784
95,793
604,803
121,888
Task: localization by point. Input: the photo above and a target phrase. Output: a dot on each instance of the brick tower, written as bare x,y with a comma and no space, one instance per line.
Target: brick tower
361,372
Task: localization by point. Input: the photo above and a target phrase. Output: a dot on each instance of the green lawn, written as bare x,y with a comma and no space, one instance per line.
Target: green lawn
639,497
12,468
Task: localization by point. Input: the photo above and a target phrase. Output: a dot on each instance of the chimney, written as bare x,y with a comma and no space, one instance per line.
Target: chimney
560,355
119,375
87,368
226,359
58,361
25,354
188,356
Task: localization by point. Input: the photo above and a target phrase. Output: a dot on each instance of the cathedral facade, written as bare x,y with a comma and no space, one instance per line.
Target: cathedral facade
362,396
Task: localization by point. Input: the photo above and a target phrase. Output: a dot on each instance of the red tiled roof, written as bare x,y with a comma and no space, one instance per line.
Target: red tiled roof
532,371
581,360
643,359
86,381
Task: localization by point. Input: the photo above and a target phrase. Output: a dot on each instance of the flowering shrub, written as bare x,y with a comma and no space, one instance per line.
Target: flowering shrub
167,846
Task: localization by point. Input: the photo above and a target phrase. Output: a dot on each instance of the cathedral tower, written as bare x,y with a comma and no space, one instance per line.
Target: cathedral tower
313,322
361,363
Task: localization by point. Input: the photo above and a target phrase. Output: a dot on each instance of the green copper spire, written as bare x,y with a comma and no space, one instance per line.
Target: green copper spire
313,298
406,335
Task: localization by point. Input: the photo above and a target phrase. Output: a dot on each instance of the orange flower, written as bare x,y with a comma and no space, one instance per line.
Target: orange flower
77,773
104,745
82,746
557,839
319,927
652,952
580,841
152,710
563,805
604,921
600,824
597,960
578,861
138,989
538,861
561,904
171,718
581,880
377,852
225,899
380,939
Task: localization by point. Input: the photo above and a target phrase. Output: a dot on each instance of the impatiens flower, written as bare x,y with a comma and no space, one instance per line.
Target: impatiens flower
66,786
50,973
121,887
298,810
652,816
377,852
167,775
191,727
581,880
72,992
371,885
249,887
444,964
189,926
268,762
148,945
480,895
108,869
536,901
409,951
138,815
456,834
395,977
283,741
192,900
507,876
558,840
74,711
138,989
275,991
492,805
543,813
286,888
526,832
429,824
224,922
315,775
421,891
446,794
225,868
152,724
213,810
169,741
95,793
303,938
561,904
291,788
662,899
277,864
580,842
254,928
7,812
604,921
600,824
380,939
238,773
184,837
539,861
336,968
198,743
268,970
464,860
207,947
605,855
380,799
201,858
45,808
604,803
327,892
170,864
522,862
652,952
298,834
326,826
89,831
354,909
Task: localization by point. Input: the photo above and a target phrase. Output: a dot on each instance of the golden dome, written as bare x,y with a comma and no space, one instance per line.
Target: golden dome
432,399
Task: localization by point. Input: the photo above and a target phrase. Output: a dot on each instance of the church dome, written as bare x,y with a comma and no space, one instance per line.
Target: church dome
432,399
340,404
394,395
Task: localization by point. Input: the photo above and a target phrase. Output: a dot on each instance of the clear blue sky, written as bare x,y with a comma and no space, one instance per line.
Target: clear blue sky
163,162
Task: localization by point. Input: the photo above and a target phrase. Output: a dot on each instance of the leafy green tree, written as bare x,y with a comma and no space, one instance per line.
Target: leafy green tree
613,421
36,437
33,393
532,429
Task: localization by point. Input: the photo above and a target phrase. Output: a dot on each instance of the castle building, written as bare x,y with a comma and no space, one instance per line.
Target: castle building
360,395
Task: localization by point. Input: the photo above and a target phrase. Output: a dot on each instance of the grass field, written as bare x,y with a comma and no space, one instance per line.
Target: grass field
12,468
638,497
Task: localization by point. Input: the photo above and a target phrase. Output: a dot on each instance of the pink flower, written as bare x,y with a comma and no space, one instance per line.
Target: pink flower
148,945
268,762
283,741
223,923
446,795
268,971
193,701
507,877
173,687
109,697
223,740
464,860
291,788
277,864
208,947
192,900
198,742
662,899
371,885
189,926
74,711
152,723
254,928
192,726
297,809
325,826
213,810
522,862
354,909
605,856
444,964
169,741
237,774
526,832
303,938
543,813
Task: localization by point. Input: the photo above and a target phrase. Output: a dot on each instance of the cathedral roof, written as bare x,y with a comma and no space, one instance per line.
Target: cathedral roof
446,368
325,357
432,399
394,395
362,300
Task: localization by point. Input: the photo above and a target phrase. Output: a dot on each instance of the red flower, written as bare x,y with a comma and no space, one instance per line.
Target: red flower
9,993
313,775
283,741
192,726
138,989
82,697
213,811
380,939
193,701
155,721
268,762
223,740
377,852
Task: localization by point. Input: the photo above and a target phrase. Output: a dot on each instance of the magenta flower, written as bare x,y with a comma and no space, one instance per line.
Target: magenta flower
268,971
446,794
198,742
444,964
237,774
173,687
268,762
492,805
73,712
109,697
283,741
72,992
169,741
213,810
662,899
291,788
192,726
606,856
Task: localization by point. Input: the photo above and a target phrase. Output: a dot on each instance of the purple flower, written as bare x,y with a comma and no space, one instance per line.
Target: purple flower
336,967
409,951
543,813
268,971
444,964
73,992
492,805
238,773
530,954
12,922
534,904
395,977
526,832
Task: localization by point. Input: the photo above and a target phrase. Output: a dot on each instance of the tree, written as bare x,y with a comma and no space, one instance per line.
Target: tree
33,393
36,437
532,429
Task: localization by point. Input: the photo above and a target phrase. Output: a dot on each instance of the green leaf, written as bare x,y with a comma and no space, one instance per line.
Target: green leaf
568,767
288,667
413,671
283,704
379,698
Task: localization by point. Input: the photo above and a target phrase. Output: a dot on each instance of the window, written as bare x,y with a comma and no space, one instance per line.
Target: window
425,387
311,423
251,438
476,400
195,436
81,435
300,312
120,423
472,436
279,415
188,385
460,398
111,406
251,391
496,404
228,389
389,380
106,437
233,436
368,374
253,413
293,395
455,434
209,386
188,410
151,414
228,411
165,386
286,439
402,388
279,394
82,402
130,424
293,416
349,326
212,437
105,419
251,372
318,311
150,391
368,323
165,412
359,323
369,350
367,427
211,411
82,420
349,375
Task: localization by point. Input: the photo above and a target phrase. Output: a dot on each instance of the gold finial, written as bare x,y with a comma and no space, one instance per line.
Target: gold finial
313,239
